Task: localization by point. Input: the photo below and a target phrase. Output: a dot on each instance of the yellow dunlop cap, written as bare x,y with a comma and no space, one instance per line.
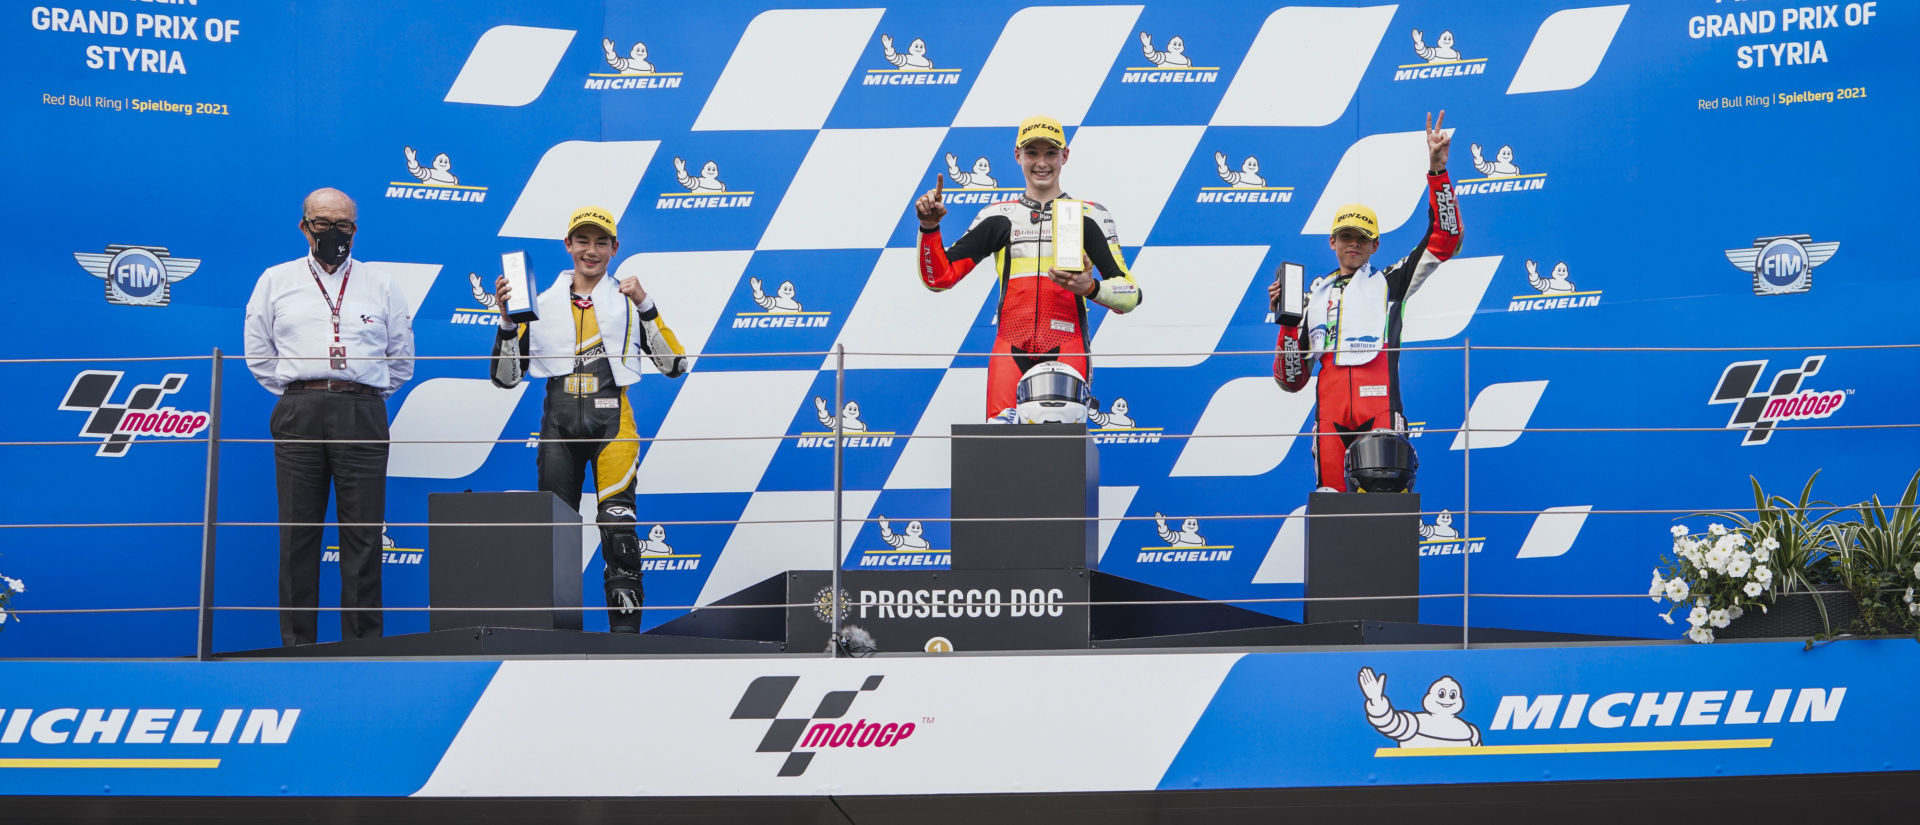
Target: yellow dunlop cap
1041,127
592,215
1355,216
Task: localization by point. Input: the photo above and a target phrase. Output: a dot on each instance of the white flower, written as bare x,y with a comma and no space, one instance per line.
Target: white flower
1916,570
1698,616
1737,539
1764,554
1667,617
1701,635
1726,544
1735,612
1909,596
1716,529
15,585
3,615
1753,589
1739,565
1769,543
1718,557
1677,590
1679,531
1700,602
1658,587
1763,575
1719,618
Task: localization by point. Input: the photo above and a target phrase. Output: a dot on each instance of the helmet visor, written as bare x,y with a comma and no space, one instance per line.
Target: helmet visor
1051,386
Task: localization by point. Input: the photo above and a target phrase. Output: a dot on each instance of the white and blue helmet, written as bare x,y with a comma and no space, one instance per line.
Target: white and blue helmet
1052,393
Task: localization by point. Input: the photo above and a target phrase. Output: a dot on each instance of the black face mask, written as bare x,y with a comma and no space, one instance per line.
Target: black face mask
331,246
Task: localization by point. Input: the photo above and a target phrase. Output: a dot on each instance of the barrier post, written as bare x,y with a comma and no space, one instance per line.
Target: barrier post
839,485
203,645
1466,489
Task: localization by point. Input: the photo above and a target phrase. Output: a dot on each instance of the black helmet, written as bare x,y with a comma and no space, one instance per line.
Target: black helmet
1381,461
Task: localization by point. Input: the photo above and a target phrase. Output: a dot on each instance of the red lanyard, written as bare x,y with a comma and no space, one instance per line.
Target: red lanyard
333,303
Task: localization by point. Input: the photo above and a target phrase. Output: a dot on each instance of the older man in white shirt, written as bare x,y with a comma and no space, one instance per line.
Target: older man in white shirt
333,338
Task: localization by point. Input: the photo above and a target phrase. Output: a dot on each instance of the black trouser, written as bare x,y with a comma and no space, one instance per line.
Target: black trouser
614,455
359,476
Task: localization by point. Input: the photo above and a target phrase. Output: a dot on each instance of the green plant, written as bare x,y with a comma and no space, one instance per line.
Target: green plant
1879,561
1785,547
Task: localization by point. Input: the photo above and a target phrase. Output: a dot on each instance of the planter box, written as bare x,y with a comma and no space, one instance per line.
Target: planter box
1795,616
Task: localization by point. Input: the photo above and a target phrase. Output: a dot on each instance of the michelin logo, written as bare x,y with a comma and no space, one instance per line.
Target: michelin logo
149,726
1183,545
140,276
781,309
1244,185
1552,291
1438,723
434,181
858,434
1440,60
487,314
910,68
1780,264
1498,175
1115,425
634,71
704,191
389,552
909,548
1170,66
1441,538
978,186
657,554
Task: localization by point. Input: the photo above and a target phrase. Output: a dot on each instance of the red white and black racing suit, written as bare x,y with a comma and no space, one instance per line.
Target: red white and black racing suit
1359,389
1039,320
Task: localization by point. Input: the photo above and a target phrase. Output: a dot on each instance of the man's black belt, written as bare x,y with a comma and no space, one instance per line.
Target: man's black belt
334,385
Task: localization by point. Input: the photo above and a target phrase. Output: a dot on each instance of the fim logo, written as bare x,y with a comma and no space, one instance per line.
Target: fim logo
1498,175
487,314
630,72
858,435
1758,413
704,191
1183,545
657,554
1552,291
781,309
389,554
910,68
1441,538
801,738
907,549
1440,60
1170,66
1116,426
140,276
1243,186
1781,264
434,182
117,425
978,187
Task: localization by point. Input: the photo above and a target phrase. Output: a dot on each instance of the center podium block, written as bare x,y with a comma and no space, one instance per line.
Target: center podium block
1007,472
1369,545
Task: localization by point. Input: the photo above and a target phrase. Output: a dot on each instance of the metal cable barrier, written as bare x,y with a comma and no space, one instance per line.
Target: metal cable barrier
212,442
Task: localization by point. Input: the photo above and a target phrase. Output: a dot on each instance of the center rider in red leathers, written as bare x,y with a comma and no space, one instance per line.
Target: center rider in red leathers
1354,315
1043,310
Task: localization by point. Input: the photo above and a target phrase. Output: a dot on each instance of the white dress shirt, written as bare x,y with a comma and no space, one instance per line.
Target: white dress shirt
290,326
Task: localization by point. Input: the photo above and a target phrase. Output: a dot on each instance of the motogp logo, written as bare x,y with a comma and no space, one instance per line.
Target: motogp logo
117,424
1757,413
